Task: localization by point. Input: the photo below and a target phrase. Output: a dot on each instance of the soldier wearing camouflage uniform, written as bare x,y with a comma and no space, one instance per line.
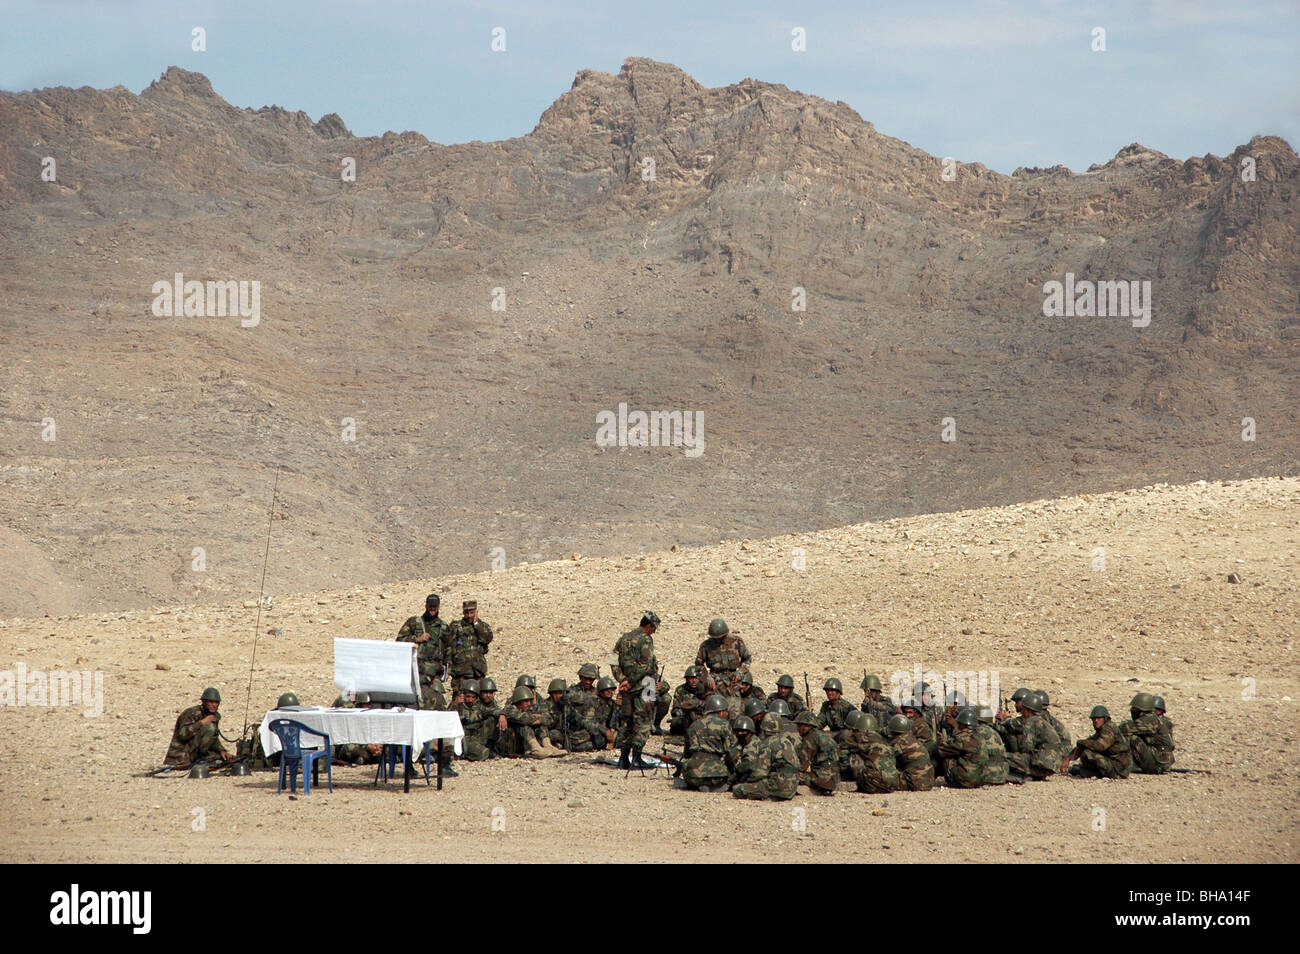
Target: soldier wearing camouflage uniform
711,750
636,674
835,710
774,773
581,702
968,755
850,743
1012,727
1105,754
196,736
525,732
465,645
1150,744
724,657
552,710
750,691
873,765
494,717
1040,756
688,702
597,721
915,770
477,723
819,760
427,632
996,771
876,704
1066,742
1165,722
743,727
785,692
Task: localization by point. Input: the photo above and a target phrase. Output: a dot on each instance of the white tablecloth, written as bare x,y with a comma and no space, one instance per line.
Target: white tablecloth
411,727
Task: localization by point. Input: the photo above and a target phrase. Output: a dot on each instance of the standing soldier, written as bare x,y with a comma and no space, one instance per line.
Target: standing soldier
635,673
427,632
876,703
196,737
775,771
785,692
1106,754
819,761
465,645
724,657
688,702
835,710
711,751
915,770
1040,755
1152,749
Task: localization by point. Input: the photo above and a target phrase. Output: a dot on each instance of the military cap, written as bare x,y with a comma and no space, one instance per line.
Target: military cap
649,618
872,682
715,703
469,685
588,671
806,718
286,699
520,694
967,716
743,724
833,683
487,684
557,685
780,707
753,707
898,724
210,694
1099,712
468,605
526,680
605,683
785,681
433,599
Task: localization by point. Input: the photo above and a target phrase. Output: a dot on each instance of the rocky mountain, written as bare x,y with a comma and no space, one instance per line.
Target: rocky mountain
436,338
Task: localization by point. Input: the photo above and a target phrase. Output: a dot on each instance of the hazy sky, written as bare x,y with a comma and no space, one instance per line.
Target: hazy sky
1005,83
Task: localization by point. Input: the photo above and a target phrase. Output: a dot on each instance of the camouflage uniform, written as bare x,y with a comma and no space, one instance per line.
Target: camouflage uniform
492,713
775,772
875,770
711,752
688,705
754,692
915,770
1150,744
465,646
430,653
995,768
880,709
1061,732
724,657
795,701
636,661
1040,755
747,754
581,704
833,714
474,717
968,756
597,722
819,762
192,741
1105,754
1012,731
521,727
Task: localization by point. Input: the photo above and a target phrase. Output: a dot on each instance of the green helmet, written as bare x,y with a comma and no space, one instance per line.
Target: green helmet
199,770
872,682
868,723
780,707
785,682
718,627
526,680
806,718
753,707
557,685
1099,712
363,698
488,684
967,716
986,714
520,694
833,683
745,678
911,704
1158,702
469,685
210,694
715,703
854,719
898,724
604,682
743,724
1019,694
1042,694
286,699
588,671
1032,701
1143,702
693,672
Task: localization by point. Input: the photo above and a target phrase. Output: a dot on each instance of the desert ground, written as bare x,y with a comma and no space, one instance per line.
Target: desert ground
1091,598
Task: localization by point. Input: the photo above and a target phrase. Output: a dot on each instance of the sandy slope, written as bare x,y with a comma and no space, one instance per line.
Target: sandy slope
1009,589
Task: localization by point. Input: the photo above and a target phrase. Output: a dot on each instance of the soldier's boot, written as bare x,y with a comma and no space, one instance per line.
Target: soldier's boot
535,750
638,762
550,748
622,758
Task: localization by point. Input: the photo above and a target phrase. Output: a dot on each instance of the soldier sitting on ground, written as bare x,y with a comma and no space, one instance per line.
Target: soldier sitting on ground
711,750
1040,756
1105,754
785,692
1150,744
915,770
196,736
819,761
525,732
835,710
688,702
774,773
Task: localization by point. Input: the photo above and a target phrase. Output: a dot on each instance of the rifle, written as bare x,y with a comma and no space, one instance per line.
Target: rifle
807,693
1187,771
674,760
615,712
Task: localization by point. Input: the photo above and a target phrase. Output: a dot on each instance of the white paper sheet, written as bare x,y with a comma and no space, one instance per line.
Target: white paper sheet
371,665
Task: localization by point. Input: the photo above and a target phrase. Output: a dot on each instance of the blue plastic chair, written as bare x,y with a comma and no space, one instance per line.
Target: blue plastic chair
294,757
